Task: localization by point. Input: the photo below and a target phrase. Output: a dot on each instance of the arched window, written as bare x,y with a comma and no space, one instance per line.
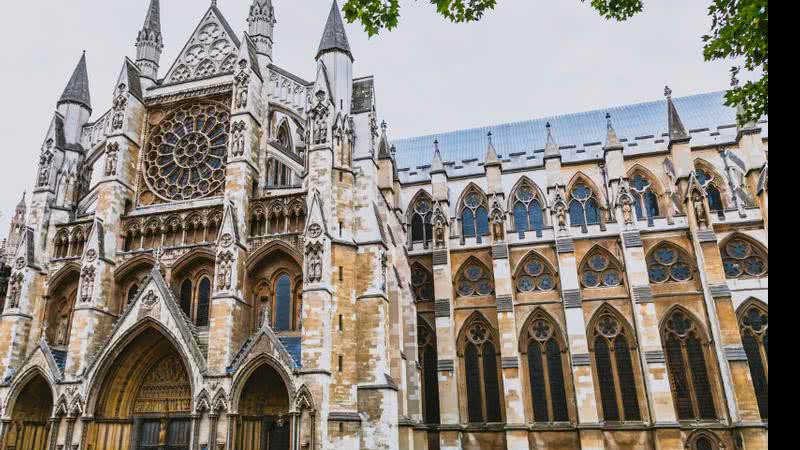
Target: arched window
420,219
426,340
667,263
543,349
474,215
186,297
482,372
686,354
527,207
754,326
535,275
61,248
474,280
703,440
258,222
421,283
284,137
601,269
583,206
614,364
743,259
709,183
645,199
203,302
283,303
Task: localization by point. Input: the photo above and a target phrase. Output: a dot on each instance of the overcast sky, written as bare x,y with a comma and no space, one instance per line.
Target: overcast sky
527,59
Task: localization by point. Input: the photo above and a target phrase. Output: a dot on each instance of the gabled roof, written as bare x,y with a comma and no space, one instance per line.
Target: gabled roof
334,38
77,90
641,128
211,50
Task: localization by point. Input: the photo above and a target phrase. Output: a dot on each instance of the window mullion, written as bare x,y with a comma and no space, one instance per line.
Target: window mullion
548,392
615,373
482,380
763,355
690,379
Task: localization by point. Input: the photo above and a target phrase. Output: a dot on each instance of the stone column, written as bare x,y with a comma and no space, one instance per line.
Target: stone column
55,422
230,311
213,417
737,385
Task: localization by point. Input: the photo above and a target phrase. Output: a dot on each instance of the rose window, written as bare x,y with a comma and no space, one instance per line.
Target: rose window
535,276
186,154
667,263
741,259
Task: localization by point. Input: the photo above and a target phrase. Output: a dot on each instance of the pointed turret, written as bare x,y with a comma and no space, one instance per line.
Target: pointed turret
334,38
75,104
550,148
437,165
15,230
612,141
334,54
261,22
150,42
677,132
77,90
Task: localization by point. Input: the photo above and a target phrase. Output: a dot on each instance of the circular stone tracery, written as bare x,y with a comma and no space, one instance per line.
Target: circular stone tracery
186,153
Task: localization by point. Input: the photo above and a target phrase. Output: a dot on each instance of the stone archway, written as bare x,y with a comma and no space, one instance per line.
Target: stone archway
264,421
30,416
145,399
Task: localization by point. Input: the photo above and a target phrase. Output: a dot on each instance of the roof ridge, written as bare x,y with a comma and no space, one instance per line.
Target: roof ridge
551,118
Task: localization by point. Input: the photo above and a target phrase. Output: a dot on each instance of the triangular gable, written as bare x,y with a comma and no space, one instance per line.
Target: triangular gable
249,53
263,342
41,357
129,76
155,302
95,242
316,215
212,50
229,227
25,255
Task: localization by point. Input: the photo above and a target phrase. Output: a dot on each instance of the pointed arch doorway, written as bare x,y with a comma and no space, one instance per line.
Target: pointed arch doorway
264,420
145,401
29,425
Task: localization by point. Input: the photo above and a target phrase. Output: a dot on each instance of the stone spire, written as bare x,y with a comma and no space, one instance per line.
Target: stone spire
612,141
150,42
77,90
491,152
261,21
550,148
437,165
677,132
334,38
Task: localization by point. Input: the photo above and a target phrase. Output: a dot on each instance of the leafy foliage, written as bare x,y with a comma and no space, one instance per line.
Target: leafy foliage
739,31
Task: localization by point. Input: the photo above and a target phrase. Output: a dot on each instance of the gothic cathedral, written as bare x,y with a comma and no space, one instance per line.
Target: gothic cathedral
234,257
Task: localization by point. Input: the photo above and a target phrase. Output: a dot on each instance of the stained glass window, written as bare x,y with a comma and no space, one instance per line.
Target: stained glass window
645,200
474,281
527,209
482,373
283,303
421,215
203,302
546,371
474,215
600,270
535,275
583,207
706,179
743,259
426,341
688,368
614,364
754,326
668,263
186,297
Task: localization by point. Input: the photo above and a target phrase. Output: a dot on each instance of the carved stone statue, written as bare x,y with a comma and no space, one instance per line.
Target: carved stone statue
561,217
438,236
699,210
111,159
498,232
224,271
627,210
314,264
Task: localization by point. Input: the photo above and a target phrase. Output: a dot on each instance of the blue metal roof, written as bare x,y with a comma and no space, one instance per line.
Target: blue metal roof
579,135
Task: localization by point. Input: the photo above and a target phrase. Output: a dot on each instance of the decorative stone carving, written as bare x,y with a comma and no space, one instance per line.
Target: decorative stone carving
237,147
19,264
112,151
314,230
699,210
319,118
149,300
225,262
119,106
314,262
87,283
384,266
439,227
91,255
45,164
226,240
242,80
14,290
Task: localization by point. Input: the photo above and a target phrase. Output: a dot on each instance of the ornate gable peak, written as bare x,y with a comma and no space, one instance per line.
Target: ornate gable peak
316,218
211,50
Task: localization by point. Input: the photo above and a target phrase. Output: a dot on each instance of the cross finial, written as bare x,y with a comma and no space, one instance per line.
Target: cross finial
608,119
489,135
667,92
547,125
383,125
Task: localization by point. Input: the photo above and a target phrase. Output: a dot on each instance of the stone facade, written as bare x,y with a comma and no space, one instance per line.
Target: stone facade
235,258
